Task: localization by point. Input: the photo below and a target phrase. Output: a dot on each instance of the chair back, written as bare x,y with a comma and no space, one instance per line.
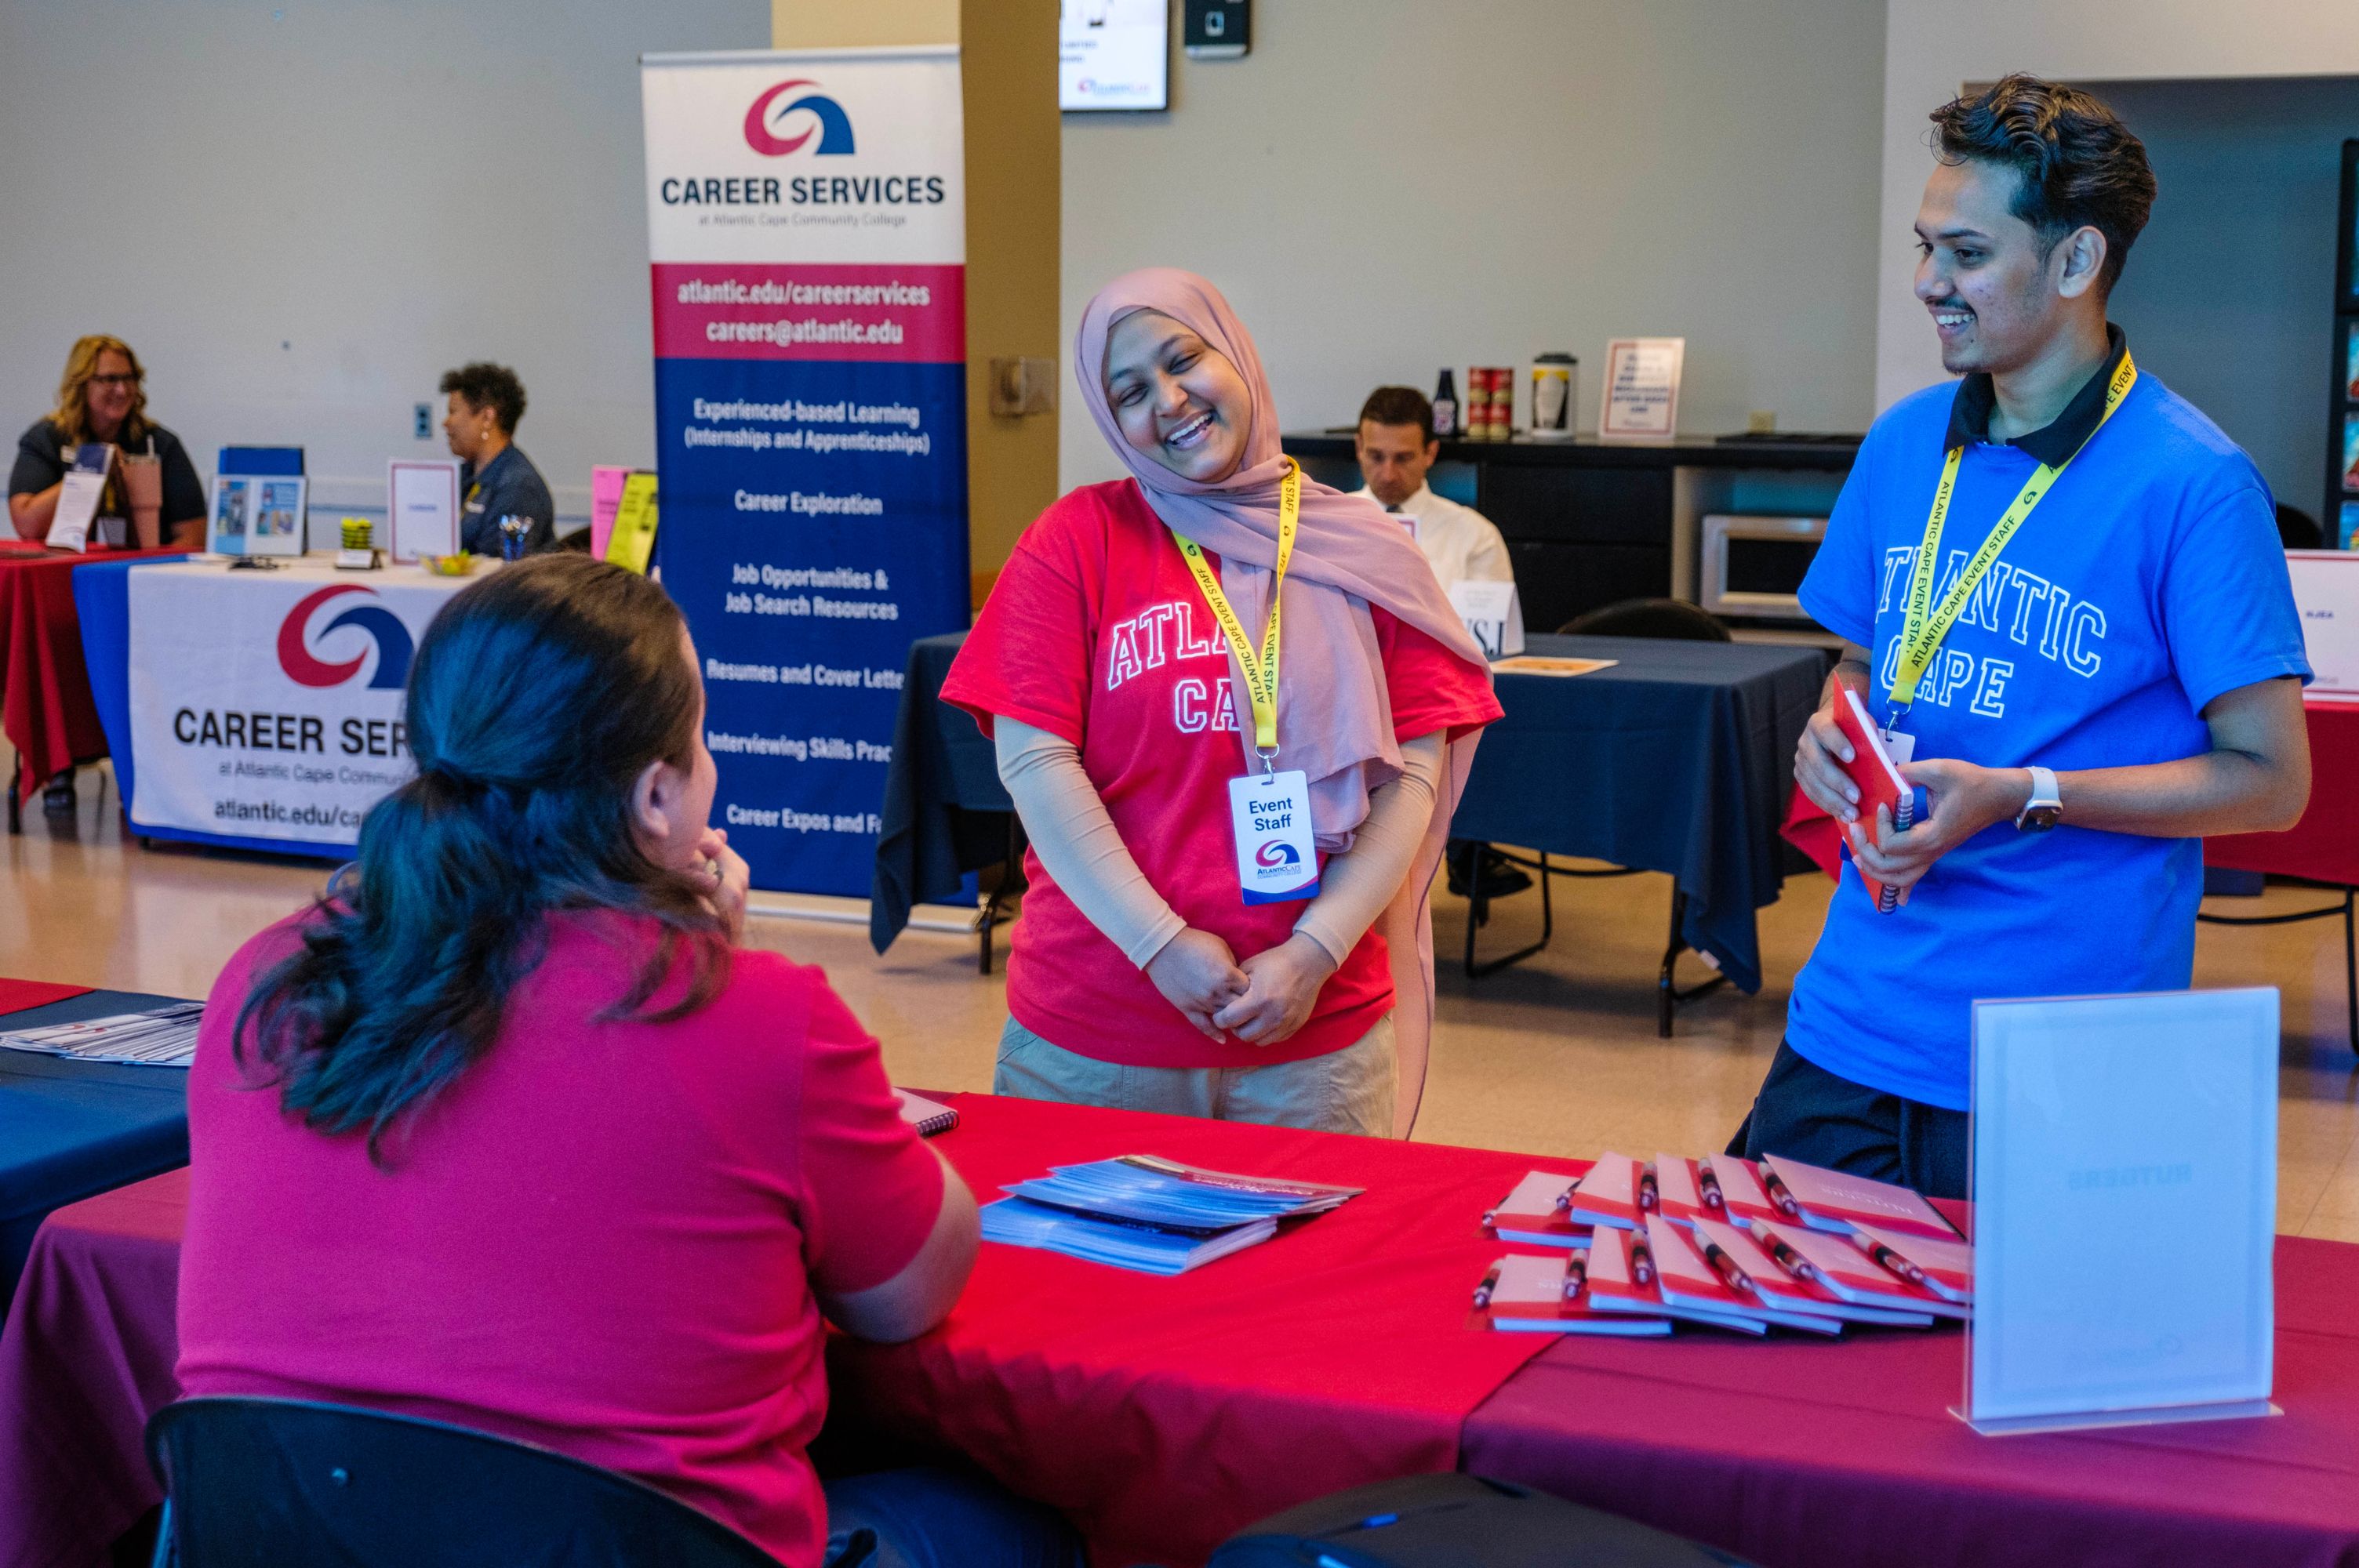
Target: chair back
1674,619
252,1483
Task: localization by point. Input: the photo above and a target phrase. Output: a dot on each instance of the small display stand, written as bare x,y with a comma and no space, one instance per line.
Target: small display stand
2124,1183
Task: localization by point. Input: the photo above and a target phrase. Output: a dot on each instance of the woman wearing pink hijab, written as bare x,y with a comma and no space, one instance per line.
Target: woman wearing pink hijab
1152,967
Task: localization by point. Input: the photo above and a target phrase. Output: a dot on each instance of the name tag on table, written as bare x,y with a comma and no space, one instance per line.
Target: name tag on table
1270,813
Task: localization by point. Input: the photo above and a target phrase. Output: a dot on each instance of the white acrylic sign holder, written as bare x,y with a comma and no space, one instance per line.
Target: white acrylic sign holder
421,508
2326,592
2125,1184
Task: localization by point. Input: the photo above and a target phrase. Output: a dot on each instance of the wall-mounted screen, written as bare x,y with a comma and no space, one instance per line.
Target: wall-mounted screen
1114,54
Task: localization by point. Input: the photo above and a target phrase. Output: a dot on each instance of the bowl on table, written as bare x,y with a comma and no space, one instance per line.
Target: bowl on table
458,565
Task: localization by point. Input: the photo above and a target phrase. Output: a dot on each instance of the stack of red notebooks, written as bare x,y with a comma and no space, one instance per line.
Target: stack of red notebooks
1732,1244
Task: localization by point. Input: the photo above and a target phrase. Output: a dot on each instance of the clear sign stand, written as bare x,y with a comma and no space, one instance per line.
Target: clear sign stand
2125,1184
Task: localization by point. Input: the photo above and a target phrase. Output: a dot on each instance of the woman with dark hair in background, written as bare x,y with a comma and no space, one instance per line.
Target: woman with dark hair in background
507,1131
495,479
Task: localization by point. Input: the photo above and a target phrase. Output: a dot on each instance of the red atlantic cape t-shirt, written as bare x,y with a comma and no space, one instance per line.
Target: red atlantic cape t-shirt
1097,633
600,1239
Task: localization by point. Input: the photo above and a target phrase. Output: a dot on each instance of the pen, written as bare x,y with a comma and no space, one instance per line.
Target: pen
1793,1262
1483,1292
1650,1196
1642,1262
1778,1195
1735,1278
1892,1261
1491,1220
1576,1274
1708,1187
1565,1198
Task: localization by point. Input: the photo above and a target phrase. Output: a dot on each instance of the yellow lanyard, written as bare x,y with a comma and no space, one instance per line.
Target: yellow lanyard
1261,674
1924,624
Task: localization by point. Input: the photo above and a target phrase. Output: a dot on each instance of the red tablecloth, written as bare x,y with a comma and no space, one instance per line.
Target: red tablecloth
2323,846
18,995
1806,1454
1163,1415
46,708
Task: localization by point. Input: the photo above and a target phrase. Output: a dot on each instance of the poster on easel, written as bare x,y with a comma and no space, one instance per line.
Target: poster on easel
807,235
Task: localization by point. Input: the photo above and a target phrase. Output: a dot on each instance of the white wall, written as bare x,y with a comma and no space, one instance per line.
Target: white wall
2229,293
1383,188
301,214
1933,46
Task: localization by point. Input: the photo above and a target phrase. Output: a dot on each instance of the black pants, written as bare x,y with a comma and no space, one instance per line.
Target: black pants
1804,1112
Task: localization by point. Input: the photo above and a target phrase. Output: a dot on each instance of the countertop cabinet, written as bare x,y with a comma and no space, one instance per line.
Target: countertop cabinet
1590,523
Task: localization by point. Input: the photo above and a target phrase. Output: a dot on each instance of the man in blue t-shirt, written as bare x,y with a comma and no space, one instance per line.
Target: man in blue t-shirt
2122,678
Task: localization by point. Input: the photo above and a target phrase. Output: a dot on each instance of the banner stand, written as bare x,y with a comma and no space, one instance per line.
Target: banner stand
806,230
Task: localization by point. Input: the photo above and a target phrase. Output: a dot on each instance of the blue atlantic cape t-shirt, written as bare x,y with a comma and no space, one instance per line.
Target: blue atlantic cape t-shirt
2148,581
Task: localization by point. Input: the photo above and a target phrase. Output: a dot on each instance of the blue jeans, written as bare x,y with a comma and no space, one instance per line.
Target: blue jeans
940,1518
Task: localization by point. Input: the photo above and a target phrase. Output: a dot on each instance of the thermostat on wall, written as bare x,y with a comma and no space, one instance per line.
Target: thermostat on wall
1217,29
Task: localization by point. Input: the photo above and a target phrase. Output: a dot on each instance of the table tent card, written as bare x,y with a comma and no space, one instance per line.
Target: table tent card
77,499
2326,590
2124,1177
421,504
1492,614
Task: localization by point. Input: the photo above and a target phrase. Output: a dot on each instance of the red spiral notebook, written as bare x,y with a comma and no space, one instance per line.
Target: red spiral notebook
1880,784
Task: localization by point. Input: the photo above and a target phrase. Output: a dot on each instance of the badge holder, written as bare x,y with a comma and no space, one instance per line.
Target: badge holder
1278,858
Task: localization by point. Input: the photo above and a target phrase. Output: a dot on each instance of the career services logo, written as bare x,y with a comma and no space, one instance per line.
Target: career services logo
828,122
1275,853
295,641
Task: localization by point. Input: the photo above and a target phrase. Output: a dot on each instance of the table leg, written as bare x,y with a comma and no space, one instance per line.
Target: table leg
16,797
2350,944
1474,903
1668,994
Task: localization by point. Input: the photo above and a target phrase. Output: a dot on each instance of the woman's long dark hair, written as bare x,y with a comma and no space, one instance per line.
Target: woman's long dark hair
537,699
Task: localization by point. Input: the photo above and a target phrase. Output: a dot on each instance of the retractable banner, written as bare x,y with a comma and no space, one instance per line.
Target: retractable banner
807,224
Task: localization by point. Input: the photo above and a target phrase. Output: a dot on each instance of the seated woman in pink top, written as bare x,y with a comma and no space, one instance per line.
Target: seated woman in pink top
509,1132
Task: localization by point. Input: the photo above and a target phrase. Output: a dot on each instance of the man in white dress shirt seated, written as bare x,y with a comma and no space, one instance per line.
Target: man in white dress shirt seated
1396,447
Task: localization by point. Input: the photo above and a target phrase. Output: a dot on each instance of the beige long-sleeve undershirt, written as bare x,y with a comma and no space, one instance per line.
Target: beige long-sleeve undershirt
1079,845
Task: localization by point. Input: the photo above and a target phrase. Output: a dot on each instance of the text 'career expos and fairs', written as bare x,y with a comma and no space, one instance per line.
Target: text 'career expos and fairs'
807,227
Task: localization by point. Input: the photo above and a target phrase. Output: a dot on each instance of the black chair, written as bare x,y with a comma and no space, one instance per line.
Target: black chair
1671,620
262,1483
1674,620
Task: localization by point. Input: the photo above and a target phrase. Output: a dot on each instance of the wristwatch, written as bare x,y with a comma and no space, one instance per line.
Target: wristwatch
2045,809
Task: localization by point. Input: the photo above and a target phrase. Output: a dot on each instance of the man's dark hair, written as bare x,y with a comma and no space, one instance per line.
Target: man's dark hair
1398,405
2077,165
486,385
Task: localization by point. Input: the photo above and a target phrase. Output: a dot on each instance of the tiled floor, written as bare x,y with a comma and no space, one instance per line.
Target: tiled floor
1556,1056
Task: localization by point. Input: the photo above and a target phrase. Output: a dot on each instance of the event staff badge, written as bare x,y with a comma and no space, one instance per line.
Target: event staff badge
1270,812
1277,860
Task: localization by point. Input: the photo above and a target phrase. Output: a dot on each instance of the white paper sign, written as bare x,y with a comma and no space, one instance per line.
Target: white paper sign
2125,1161
268,705
77,505
422,508
1494,614
2326,592
1642,389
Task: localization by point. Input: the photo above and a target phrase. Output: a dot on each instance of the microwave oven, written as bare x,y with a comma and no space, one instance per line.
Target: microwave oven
1753,567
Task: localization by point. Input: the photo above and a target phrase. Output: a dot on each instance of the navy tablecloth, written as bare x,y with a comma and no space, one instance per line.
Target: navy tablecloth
945,810
69,1129
1679,759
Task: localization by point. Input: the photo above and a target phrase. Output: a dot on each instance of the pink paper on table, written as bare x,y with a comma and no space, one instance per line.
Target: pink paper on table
605,500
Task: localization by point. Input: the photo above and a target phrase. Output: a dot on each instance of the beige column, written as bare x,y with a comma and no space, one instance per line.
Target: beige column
1014,209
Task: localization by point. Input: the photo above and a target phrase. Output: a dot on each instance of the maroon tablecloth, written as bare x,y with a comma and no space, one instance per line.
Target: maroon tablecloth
1802,1454
86,1356
45,707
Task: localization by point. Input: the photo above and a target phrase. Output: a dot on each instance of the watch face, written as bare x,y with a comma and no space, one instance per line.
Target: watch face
2040,818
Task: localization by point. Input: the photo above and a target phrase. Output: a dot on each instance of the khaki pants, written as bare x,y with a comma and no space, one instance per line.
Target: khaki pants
1349,1090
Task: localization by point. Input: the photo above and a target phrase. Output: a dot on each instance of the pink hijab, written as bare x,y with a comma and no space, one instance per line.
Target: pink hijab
1334,718
1335,721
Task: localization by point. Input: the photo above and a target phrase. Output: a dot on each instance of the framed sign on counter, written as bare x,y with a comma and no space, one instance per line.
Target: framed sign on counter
1642,389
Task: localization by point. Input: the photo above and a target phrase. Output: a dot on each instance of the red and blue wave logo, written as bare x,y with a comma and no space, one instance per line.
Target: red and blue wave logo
1275,853
381,626
828,122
